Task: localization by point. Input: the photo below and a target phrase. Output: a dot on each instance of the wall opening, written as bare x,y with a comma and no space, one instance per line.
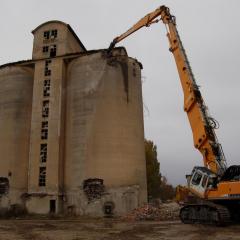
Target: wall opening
43,152
42,177
54,33
46,87
93,188
53,51
46,34
4,185
52,206
45,109
108,209
45,49
44,130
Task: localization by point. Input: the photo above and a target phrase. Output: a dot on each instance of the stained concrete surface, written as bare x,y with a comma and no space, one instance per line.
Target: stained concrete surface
108,229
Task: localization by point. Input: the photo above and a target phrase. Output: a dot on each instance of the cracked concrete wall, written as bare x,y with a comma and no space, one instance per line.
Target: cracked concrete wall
124,199
104,125
54,123
96,126
53,164
65,41
66,116
15,116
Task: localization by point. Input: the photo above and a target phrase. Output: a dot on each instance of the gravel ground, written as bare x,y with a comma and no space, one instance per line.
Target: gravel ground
111,229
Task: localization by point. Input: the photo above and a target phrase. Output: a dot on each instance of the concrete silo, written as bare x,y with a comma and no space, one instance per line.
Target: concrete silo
71,122
104,132
15,117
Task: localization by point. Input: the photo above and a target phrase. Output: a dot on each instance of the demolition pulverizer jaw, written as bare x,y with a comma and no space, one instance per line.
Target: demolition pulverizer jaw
111,47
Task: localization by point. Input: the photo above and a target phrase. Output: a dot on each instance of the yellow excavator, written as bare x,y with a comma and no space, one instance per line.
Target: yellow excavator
213,190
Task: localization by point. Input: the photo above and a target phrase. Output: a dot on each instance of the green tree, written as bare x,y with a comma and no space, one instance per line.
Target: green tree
167,191
153,170
157,185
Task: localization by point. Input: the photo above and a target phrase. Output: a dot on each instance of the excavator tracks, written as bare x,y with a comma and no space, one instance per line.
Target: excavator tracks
207,213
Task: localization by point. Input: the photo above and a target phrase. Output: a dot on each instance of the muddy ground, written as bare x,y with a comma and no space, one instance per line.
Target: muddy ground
108,229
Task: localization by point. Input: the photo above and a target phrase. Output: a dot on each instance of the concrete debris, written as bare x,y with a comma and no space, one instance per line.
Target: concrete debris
165,212
93,188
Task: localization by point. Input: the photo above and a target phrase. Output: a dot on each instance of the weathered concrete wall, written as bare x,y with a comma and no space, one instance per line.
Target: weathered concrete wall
55,138
72,45
69,119
48,92
65,41
39,204
104,124
124,199
54,126
15,117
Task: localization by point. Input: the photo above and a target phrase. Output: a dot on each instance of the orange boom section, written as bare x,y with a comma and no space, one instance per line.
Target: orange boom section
202,124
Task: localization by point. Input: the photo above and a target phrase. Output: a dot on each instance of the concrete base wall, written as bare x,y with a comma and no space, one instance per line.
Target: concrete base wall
4,202
12,202
41,204
121,200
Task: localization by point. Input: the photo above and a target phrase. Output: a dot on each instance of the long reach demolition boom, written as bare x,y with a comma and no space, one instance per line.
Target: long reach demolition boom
215,187
202,124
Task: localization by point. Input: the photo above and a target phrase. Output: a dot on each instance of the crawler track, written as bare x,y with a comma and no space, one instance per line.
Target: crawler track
206,213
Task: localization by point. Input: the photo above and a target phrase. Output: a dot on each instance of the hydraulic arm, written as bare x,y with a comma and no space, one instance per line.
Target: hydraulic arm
213,191
202,124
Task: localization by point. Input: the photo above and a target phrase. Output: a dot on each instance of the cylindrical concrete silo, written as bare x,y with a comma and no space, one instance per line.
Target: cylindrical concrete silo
15,115
104,131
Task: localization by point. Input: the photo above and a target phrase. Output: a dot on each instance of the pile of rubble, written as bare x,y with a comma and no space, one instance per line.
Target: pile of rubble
165,212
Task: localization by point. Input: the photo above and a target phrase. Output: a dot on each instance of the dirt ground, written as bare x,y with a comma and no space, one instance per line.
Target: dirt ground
108,229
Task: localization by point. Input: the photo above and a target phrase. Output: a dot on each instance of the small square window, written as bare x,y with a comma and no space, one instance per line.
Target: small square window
54,33
45,49
42,177
46,88
45,109
47,72
47,83
53,50
45,124
46,34
47,62
44,134
46,91
43,152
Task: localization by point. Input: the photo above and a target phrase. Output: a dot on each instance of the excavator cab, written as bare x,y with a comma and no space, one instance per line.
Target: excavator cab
200,180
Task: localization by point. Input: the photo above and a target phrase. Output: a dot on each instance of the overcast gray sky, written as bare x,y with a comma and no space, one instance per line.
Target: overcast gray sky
210,31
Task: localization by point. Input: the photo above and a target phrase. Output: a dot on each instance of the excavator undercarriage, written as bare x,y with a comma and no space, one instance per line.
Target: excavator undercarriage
209,199
205,213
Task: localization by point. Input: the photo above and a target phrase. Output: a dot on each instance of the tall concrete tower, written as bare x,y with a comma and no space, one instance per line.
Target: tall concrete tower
51,40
